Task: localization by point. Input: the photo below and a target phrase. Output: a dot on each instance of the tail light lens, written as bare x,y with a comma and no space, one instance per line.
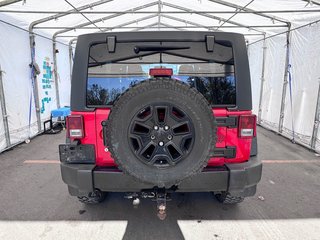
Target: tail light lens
247,126
161,72
75,126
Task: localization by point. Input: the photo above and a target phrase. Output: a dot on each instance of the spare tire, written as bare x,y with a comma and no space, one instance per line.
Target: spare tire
161,131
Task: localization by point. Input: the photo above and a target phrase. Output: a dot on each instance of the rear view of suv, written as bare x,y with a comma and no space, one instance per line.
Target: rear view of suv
159,112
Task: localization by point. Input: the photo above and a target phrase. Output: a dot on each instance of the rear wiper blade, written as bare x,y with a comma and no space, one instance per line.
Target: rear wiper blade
138,49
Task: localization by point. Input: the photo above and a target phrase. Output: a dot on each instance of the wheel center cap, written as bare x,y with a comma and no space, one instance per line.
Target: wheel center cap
160,133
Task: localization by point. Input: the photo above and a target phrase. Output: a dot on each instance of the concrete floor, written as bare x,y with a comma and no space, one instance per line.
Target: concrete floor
35,204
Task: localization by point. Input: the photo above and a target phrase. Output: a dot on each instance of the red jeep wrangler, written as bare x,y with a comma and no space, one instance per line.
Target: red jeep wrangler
159,112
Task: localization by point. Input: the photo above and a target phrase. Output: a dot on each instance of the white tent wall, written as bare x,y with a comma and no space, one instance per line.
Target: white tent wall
305,82
273,84
255,54
46,80
63,67
305,77
15,60
3,143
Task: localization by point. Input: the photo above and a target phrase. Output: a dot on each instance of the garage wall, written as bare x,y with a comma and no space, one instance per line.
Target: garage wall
15,57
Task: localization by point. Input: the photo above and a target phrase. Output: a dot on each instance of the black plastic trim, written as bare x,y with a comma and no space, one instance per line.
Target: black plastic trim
104,132
244,176
210,43
111,44
228,152
254,147
230,122
78,176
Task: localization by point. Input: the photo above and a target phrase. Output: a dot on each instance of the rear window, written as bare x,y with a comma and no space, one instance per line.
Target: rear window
212,74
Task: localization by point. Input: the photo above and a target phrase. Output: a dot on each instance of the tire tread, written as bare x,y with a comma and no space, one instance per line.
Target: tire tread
144,86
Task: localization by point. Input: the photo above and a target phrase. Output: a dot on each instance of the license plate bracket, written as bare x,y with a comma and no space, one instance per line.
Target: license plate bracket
70,153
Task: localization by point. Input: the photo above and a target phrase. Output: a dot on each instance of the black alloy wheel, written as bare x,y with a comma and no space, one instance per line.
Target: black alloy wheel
161,135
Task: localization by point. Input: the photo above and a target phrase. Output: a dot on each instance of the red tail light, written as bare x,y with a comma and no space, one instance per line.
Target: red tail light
160,72
247,126
75,126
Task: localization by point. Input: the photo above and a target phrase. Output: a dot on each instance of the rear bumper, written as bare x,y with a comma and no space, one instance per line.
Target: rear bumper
238,179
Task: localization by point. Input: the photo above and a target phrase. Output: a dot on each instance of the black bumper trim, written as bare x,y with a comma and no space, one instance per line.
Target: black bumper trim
227,152
78,176
238,179
115,181
244,177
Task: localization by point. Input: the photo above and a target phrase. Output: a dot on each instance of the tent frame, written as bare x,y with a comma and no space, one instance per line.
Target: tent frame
168,12
163,14
277,23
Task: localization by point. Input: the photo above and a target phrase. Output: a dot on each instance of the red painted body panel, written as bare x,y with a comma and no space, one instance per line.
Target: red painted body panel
225,137
103,157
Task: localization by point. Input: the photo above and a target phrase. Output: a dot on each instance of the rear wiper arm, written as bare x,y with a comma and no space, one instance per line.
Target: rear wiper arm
138,49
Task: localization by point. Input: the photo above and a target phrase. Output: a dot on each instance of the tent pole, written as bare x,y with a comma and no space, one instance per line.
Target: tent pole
285,81
317,10
62,14
316,123
4,111
35,81
8,2
103,19
196,25
289,30
247,10
262,78
188,10
55,71
70,55
70,59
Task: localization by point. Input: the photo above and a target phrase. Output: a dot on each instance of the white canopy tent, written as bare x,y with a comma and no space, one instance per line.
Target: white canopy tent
283,46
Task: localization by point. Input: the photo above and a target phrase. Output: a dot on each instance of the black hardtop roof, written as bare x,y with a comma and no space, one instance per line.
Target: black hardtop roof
236,40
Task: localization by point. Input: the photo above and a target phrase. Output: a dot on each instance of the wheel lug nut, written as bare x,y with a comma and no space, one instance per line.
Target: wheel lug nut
166,128
153,137
169,137
161,144
155,127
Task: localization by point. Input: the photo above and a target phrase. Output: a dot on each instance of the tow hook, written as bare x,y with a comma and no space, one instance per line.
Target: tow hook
161,204
135,198
158,195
